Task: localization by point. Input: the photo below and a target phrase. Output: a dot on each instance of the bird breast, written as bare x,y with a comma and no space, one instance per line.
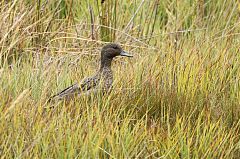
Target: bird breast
107,78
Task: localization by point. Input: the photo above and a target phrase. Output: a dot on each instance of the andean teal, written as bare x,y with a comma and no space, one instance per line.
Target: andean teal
103,78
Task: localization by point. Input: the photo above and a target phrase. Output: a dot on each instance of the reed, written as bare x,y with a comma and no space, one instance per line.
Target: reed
108,20
177,98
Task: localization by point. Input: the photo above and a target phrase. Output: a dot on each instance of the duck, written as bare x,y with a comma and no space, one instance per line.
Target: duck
102,80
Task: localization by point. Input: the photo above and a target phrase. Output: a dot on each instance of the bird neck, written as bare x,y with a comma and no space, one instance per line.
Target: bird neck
105,63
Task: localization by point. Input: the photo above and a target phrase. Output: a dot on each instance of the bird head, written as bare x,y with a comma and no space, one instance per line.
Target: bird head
112,50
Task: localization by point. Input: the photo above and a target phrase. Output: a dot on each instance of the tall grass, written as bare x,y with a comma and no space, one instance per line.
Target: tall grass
177,98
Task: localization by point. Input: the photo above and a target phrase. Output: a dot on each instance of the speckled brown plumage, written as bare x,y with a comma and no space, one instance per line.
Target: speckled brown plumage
102,80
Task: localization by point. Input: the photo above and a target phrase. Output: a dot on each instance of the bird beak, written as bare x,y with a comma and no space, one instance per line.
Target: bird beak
124,53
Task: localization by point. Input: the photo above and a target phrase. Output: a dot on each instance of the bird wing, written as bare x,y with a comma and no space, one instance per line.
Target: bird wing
85,85
68,91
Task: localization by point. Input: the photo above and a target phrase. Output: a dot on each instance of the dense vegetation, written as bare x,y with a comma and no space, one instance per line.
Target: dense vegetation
178,97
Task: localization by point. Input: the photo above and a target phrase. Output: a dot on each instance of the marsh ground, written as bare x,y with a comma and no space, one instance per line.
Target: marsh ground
177,98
